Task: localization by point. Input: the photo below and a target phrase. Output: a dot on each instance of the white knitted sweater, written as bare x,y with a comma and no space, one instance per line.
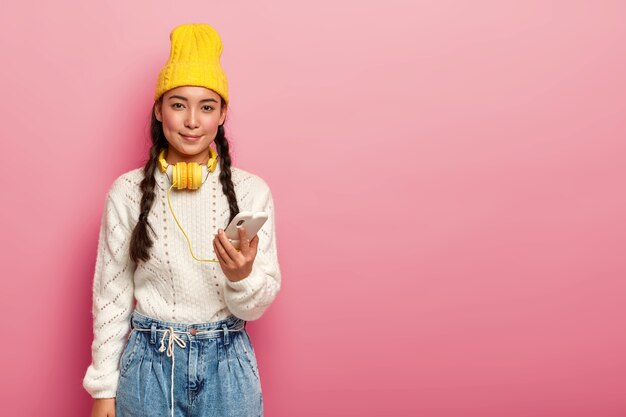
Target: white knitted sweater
171,285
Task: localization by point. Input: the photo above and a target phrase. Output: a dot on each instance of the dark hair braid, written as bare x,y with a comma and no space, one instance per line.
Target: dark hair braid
140,241
221,144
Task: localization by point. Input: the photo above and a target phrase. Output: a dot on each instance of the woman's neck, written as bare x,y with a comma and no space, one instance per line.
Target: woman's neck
172,157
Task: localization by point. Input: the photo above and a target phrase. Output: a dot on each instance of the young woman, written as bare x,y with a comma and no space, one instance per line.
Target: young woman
183,349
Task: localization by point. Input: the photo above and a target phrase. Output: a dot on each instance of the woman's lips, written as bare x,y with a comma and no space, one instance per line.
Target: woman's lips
191,138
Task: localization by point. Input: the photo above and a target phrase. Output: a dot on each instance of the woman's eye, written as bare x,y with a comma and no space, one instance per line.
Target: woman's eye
176,104
208,107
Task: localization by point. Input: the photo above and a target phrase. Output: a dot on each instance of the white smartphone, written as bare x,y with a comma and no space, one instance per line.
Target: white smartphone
252,221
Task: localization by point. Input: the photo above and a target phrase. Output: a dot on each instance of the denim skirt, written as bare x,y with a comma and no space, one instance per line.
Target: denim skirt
188,370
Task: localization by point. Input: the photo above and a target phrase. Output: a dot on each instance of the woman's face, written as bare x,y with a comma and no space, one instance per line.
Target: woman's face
190,117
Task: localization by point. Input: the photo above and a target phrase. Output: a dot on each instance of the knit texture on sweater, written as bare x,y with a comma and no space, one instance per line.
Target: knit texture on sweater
171,285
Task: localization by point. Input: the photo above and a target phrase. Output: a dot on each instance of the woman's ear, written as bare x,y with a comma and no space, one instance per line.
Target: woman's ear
223,114
157,111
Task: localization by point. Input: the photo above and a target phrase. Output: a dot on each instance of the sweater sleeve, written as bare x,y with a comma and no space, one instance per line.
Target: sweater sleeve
113,294
250,297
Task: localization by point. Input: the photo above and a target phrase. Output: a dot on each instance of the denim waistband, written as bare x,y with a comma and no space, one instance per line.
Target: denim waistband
142,321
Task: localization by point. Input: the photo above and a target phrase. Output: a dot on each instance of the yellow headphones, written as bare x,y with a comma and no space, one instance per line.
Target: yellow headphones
187,175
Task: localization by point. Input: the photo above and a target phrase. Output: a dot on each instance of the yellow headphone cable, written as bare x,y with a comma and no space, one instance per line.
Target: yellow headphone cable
182,230
187,176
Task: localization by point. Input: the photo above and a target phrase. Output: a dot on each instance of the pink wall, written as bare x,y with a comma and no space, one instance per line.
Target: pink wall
449,186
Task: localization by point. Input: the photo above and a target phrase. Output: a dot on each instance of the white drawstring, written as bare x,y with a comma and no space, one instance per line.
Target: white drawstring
170,352
171,348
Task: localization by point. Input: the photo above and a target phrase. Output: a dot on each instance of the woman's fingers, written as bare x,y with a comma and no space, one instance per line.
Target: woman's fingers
254,243
230,249
221,252
248,247
244,243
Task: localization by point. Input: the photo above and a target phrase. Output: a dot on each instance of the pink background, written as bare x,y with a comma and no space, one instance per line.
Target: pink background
449,186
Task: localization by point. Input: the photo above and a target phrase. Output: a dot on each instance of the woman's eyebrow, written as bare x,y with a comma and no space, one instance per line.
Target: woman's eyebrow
201,101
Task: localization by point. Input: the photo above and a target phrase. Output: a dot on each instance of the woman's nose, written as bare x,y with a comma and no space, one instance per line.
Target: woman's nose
191,121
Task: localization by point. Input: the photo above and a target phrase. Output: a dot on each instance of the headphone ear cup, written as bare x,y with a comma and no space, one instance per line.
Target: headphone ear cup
179,175
184,176
175,175
194,175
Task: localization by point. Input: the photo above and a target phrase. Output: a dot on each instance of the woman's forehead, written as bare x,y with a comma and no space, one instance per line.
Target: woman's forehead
193,92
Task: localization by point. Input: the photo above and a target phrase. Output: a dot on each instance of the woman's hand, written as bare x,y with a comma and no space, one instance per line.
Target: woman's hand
236,265
103,407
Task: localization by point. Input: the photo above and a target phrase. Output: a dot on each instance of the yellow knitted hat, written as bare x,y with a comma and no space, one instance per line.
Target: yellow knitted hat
194,60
